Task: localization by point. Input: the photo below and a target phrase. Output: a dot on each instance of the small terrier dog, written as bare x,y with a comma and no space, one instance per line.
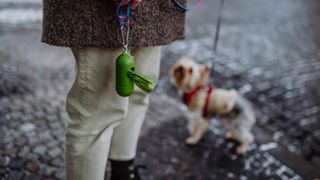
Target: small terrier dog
205,101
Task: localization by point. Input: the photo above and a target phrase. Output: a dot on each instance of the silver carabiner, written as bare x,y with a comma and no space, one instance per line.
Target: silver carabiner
125,37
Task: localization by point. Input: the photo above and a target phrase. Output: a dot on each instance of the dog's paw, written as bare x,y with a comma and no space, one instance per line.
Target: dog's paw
191,141
241,150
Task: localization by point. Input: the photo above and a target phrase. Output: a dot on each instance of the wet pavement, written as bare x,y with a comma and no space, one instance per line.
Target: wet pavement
269,51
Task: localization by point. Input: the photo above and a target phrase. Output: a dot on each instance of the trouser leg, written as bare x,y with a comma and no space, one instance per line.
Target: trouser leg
94,109
126,135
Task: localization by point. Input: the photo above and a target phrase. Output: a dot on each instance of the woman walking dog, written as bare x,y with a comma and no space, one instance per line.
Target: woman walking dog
101,124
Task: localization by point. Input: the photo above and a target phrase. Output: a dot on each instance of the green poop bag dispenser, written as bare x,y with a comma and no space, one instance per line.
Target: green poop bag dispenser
126,76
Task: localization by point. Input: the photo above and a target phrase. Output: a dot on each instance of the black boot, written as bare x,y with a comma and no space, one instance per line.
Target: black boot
125,170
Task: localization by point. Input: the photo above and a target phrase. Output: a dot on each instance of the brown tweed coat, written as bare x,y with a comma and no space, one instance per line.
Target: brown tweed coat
93,23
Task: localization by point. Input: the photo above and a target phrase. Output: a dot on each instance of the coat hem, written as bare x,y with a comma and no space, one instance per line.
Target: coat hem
84,45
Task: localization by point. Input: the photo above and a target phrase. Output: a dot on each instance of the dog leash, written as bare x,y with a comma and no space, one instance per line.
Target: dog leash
216,39
218,26
179,5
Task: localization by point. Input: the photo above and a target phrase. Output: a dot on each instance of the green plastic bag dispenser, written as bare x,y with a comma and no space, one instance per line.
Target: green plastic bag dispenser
126,77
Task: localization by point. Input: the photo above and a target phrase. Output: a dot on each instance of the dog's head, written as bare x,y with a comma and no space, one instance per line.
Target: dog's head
186,74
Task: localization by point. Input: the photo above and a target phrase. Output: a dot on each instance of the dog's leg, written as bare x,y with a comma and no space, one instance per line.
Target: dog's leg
192,119
245,139
230,130
229,136
199,129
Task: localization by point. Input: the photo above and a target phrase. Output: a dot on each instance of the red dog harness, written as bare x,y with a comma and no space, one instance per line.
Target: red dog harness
187,97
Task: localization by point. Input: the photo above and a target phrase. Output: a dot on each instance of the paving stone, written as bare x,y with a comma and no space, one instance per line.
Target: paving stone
33,140
316,135
59,174
4,161
32,166
58,162
33,177
15,175
27,127
39,114
20,140
55,125
26,118
24,152
16,163
39,123
49,171
40,149
55,152
44,135
316,161
61,137
52,143
3,172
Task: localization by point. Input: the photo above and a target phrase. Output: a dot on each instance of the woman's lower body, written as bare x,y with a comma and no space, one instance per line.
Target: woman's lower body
102,125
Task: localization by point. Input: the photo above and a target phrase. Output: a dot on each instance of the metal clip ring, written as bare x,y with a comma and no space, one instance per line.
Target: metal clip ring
125,37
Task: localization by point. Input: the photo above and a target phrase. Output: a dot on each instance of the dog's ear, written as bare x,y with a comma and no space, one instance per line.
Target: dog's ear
208,67
205,71
178,72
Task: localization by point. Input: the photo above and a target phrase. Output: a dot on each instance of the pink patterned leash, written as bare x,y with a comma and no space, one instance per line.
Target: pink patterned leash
124,13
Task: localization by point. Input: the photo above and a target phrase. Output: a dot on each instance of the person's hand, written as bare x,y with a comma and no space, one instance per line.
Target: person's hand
134,3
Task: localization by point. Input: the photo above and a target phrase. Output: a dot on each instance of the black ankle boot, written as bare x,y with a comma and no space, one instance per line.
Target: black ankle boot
125,170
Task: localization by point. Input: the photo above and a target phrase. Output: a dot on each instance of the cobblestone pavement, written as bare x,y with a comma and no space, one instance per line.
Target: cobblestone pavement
269,51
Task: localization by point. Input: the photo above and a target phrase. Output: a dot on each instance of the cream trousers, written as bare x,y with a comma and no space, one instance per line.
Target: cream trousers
102,124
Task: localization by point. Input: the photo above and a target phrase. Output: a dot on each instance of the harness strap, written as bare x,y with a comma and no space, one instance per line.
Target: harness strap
179,5
206,105
187,97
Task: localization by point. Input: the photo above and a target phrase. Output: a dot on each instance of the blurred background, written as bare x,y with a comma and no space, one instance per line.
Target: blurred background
268,50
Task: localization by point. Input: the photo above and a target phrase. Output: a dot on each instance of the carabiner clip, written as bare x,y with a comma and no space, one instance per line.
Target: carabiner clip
125,37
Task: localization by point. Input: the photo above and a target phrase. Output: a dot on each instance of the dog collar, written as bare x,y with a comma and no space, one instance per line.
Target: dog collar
187,97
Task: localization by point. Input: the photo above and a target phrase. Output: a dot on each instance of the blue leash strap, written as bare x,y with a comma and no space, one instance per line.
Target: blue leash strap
179,5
